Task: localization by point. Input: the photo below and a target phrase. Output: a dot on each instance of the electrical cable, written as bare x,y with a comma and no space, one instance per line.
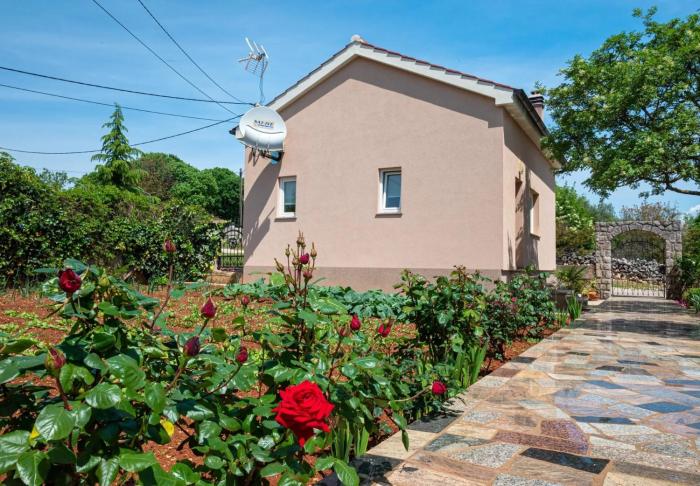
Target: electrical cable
185,52
123,90
106,104
156,54
73,152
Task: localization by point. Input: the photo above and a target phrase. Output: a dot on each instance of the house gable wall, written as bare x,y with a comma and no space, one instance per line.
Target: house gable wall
368,116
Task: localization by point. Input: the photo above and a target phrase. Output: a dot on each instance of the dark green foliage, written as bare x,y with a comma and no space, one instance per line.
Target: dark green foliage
575,221
167,177
630,112
521,307
573,277
118,157
40,225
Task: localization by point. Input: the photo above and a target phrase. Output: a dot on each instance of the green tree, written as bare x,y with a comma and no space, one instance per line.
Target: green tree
575,220
630,112
118,157
647,211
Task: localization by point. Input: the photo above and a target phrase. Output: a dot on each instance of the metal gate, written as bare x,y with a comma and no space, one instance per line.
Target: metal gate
230,256
638,264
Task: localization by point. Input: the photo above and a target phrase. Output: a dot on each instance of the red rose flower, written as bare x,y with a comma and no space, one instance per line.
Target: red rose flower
242,355
208,310
191,347
245,301
304,259
355,323
54,361
169,246
303,408
384,329
439,388
69,281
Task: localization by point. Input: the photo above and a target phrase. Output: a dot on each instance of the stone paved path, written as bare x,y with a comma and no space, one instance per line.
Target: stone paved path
614,401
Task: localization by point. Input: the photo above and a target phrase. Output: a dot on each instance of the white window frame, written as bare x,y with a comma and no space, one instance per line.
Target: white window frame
280,197
383,174
534,212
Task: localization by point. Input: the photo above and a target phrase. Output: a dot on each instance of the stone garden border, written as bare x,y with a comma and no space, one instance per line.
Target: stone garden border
669,231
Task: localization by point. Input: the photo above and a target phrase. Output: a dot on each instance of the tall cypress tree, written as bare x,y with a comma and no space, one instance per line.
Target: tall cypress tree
119,166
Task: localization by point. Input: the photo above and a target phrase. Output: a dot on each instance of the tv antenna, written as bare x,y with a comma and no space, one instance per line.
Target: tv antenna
256,63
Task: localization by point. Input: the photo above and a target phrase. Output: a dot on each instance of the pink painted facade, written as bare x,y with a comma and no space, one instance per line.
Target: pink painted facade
461,156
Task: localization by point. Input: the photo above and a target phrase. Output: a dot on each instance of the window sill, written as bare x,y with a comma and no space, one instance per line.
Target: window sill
286,217
535,235
388,214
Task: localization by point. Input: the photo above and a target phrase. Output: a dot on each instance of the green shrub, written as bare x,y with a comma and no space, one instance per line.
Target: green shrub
41,225
121,381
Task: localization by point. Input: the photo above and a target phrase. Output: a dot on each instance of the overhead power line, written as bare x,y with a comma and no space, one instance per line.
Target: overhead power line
106,104
123,90
138,39
182,49
74,152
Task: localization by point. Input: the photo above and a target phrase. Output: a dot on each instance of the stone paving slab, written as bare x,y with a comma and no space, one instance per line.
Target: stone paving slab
614,401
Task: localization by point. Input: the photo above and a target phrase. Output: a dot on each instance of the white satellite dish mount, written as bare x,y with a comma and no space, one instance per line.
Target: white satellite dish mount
261,129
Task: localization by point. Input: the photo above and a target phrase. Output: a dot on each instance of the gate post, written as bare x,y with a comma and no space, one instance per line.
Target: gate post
603,260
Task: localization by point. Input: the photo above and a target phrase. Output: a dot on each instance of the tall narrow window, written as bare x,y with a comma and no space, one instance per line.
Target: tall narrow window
390,191
288,197
534,213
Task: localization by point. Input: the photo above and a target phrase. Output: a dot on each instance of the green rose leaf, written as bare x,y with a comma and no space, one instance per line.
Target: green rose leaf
104,396
136,461
60,454
32,468
324,463
127,370
347,475
14,442
107,470
154,395
366,362
8,371
70,373
54,422
214,462
273,469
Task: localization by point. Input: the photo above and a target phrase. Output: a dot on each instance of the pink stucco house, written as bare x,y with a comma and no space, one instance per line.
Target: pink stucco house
391,162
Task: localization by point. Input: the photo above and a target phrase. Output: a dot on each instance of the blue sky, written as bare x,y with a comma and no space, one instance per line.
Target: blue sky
514,42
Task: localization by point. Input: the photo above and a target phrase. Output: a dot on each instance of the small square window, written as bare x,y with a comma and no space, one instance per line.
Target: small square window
288,197
390,191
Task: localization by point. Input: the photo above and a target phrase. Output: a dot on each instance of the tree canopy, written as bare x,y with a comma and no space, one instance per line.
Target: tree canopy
646,211
630,112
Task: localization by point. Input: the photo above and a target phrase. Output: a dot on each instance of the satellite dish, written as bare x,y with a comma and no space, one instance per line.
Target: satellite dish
261,129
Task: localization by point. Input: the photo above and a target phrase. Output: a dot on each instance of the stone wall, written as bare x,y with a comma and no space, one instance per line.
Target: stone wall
670,231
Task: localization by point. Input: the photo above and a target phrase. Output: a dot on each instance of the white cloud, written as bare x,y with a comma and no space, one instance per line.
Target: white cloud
694,210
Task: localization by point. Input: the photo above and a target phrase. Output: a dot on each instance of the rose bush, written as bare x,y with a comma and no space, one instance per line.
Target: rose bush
121,382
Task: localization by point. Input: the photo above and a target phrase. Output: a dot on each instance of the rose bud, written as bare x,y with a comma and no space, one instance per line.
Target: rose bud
304,258
308,275
208,310
313,251
191,347
54,361
343,331
355,323
384,329
438,388
245,301
242,355
513,300
69,281
169,246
